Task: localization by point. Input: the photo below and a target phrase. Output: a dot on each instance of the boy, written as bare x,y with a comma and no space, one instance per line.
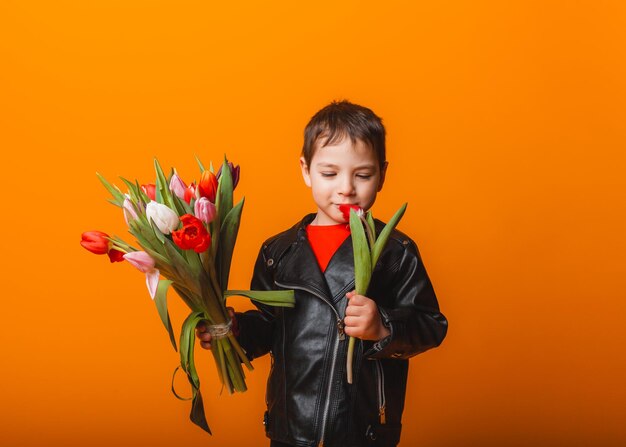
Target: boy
309,402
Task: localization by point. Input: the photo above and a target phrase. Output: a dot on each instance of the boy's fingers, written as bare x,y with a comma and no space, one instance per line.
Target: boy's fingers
353,310
355,300
351,321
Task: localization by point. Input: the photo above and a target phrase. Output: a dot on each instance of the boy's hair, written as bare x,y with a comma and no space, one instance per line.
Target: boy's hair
341,119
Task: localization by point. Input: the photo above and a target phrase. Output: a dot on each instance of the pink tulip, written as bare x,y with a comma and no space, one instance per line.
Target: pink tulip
204,210
141,260
129,210
145,264
177,186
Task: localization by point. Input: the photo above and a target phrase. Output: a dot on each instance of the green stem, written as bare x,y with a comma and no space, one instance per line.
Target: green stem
242,355
237,373
222,361
351,342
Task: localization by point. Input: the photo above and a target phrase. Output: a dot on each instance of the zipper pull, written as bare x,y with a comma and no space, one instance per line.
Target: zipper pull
381,413
340,329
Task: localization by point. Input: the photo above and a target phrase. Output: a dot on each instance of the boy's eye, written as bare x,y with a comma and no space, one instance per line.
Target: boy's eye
328,174
364,176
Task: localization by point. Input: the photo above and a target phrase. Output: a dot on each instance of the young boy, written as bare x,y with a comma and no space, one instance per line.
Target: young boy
309,402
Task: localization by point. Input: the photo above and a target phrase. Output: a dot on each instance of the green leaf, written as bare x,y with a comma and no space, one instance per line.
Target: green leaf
226,247
142,195
197,415
134,195
187,340
191,282
193,260
180,206
161,303
362,258
163,193
200,165
224,200
118,197
157,233
381,241
370,222
277,298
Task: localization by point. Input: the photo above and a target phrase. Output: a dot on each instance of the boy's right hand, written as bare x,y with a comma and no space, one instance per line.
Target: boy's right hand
202,331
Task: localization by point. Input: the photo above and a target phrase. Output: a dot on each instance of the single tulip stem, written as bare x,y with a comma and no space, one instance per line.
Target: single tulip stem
351,342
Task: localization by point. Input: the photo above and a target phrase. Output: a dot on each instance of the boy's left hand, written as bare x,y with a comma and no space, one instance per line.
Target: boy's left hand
362,318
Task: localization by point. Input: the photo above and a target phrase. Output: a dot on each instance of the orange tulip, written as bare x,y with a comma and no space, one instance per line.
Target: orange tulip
208,186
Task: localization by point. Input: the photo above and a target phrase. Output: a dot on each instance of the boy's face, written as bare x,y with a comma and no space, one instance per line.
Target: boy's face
344,173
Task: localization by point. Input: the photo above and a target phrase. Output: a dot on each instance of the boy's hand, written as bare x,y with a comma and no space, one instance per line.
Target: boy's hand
363,319
203,334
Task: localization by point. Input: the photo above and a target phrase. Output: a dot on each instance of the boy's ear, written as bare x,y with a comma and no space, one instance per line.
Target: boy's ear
305,172
383,172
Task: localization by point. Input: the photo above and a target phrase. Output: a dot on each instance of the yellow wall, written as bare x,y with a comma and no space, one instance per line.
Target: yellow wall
507,133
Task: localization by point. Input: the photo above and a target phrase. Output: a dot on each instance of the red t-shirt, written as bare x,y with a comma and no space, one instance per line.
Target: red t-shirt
325,240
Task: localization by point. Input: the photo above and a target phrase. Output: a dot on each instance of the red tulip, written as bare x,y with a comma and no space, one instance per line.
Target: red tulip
345,210
208,186
115,255
190,193
96,242
193,235
149,190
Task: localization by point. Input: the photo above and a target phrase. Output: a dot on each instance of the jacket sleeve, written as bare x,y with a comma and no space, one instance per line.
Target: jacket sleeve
413,319
256,327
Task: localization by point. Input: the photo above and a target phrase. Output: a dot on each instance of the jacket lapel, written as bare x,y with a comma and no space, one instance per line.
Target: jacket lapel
301,265
339,273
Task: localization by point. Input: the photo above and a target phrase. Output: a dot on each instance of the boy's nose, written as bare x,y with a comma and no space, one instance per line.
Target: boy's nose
346,187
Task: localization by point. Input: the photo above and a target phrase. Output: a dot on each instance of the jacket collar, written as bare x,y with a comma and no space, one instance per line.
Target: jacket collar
300,267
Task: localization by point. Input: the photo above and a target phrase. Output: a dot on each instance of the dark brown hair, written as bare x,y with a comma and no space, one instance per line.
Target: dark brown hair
341,119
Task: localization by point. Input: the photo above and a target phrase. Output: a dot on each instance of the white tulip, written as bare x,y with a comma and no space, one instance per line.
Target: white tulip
164,218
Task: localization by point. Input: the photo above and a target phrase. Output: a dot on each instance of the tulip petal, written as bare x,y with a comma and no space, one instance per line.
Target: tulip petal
152,281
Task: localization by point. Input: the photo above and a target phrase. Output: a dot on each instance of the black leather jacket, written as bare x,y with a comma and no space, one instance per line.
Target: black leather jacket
308,399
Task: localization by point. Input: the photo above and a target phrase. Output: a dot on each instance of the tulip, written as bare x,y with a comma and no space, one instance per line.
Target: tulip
234,172
177,186
149,190
115,255
208,186
193,234
204,210
190,193
96,242
345,210
129,210
163,217
145,264
140,260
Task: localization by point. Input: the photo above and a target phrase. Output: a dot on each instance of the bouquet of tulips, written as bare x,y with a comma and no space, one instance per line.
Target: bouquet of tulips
187,235
367,249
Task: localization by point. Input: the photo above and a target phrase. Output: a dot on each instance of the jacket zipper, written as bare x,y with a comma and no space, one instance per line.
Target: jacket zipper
380,375
341,336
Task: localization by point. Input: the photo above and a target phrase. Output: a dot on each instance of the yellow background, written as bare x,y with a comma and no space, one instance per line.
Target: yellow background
506,125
